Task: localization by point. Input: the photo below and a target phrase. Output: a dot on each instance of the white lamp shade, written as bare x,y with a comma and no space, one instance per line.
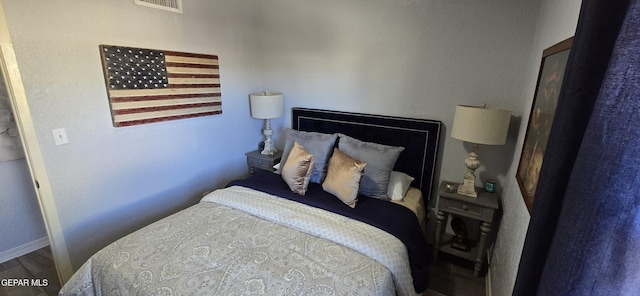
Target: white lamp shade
266,105
481,125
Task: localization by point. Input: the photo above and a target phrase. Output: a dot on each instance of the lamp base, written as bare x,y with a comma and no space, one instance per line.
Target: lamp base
468,188
269,148
268,152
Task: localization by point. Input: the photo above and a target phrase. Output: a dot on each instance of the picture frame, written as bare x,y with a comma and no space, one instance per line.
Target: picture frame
545,101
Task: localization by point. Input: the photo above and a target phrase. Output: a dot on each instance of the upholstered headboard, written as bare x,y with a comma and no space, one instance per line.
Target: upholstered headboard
419,137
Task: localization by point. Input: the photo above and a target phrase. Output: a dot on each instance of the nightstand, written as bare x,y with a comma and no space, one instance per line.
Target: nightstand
482,209
257,161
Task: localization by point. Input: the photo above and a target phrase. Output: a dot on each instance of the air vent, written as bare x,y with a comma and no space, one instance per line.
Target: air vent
170,5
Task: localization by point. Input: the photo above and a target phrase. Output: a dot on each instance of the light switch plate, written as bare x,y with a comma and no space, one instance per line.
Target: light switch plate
60,136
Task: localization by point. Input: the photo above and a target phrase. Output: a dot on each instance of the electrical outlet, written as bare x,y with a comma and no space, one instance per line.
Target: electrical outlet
60,136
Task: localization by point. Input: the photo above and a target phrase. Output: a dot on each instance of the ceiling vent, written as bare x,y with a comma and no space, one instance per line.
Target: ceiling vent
170,5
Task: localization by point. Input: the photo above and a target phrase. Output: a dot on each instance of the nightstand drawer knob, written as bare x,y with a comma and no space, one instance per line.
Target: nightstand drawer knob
464,207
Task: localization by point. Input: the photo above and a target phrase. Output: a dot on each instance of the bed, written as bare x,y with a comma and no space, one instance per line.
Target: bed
257,236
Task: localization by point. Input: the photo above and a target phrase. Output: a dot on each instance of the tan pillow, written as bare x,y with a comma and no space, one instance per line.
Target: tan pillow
343,177
297,169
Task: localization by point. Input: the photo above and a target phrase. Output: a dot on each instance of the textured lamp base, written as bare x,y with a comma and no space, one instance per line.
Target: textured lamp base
468,188
269,148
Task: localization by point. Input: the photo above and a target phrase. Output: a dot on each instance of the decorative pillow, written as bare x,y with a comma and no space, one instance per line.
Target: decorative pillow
380,161
399,183
343,177
297,171
318,144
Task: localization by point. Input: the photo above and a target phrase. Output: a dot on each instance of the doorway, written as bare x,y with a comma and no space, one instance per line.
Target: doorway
21,224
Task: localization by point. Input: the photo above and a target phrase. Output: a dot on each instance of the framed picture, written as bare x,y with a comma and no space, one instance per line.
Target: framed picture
545,100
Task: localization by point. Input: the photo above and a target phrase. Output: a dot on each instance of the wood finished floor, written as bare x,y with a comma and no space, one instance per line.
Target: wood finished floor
35,265
453,276
450,276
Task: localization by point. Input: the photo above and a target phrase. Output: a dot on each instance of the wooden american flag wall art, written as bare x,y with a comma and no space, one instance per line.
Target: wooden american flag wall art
148,85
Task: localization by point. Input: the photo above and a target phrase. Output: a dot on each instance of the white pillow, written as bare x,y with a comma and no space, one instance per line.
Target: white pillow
399,183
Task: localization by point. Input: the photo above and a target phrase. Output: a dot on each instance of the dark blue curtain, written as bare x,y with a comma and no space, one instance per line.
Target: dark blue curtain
584,233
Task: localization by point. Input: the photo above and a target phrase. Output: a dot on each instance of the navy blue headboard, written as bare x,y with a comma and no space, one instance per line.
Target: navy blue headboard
419,137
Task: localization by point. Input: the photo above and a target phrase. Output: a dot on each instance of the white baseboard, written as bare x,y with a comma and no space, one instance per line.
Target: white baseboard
23,249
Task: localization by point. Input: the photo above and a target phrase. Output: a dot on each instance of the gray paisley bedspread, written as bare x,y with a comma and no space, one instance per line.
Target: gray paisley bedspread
239,241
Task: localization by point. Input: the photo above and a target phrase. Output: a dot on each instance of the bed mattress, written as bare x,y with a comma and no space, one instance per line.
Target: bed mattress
242,241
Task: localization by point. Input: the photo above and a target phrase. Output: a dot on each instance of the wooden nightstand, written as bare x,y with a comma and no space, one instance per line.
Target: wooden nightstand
255,160
482,208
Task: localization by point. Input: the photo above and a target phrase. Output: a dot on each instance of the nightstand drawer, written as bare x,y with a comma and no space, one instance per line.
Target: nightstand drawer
260,163
462,207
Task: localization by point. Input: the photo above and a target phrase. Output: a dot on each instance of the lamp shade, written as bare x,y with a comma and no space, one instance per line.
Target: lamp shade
480,125
266,105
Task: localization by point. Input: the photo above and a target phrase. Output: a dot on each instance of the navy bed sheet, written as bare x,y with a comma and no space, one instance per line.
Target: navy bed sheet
392,218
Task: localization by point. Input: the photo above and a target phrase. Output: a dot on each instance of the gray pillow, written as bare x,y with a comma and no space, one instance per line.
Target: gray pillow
380,161
318,144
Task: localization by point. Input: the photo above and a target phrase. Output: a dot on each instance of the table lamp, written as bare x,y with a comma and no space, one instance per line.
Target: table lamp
478,125
267,105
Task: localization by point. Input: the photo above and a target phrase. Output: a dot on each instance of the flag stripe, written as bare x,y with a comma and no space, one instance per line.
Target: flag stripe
187,75
188,65
161,91
194,81
146,85
194,86
174,108
158,103
190,55
189,60
185,70
165,113
160,119
212,96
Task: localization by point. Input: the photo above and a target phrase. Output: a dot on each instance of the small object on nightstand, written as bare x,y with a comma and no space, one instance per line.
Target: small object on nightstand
450,187
481,209
257,160
490,186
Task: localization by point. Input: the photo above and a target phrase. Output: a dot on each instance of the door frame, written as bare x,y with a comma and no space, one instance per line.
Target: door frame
33,154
